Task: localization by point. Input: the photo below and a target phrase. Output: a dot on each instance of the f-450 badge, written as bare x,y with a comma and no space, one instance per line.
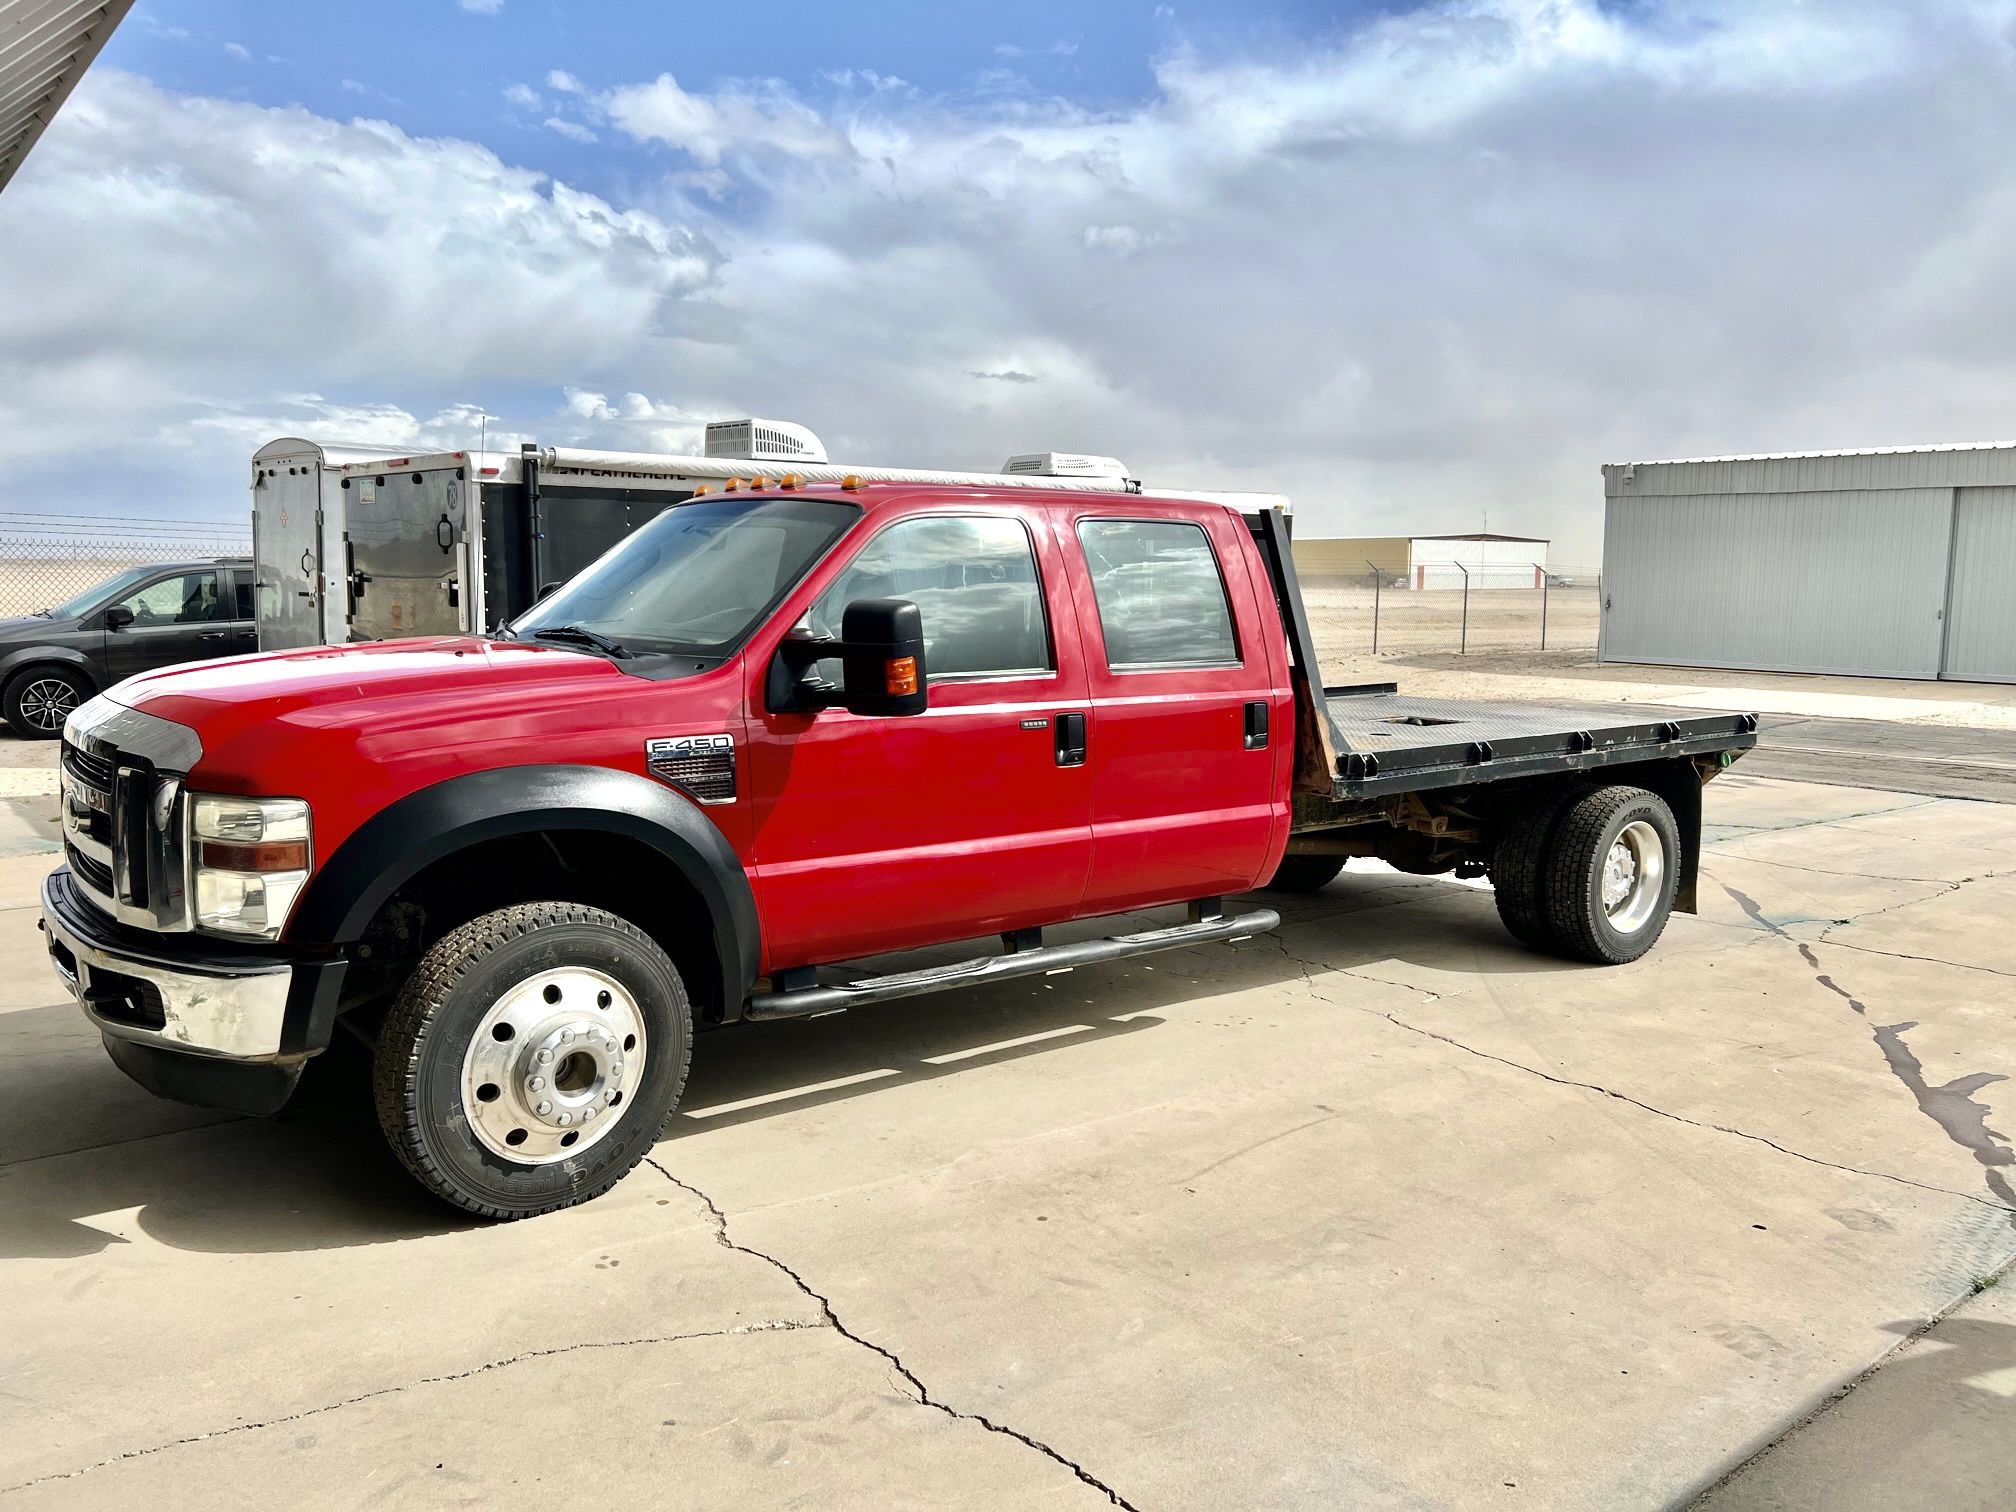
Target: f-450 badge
703,766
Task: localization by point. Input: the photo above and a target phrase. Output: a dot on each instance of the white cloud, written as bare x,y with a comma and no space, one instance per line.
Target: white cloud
239,51
574,131
1451,260
563,81
524,96
481,7
190,257
762,117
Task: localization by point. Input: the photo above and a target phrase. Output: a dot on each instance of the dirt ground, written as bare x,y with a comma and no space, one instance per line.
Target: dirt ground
1413,621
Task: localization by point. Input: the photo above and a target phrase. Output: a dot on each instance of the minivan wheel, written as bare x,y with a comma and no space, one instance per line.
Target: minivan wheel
533,1058
39,699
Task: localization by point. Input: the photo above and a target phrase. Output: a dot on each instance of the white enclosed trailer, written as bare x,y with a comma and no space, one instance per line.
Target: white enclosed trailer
360,543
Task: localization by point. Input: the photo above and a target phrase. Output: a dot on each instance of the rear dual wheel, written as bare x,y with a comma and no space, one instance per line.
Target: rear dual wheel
1589,873
533,1058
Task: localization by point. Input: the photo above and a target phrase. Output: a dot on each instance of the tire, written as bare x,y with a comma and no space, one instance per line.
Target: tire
1305,874
551,996
1518,866
39,699
1588,926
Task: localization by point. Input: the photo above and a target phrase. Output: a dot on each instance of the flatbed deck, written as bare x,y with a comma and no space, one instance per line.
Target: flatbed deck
1388,742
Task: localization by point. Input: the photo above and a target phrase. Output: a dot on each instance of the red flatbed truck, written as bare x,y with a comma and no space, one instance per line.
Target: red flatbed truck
777,729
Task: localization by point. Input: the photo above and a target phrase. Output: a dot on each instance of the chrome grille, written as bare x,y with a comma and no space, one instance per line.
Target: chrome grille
88,783
127,858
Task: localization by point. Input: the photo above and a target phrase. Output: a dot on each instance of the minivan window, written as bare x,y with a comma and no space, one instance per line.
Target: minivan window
698,579
83,603
188,598
1161,599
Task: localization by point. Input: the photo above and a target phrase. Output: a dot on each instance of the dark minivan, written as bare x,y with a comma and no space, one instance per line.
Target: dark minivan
136,620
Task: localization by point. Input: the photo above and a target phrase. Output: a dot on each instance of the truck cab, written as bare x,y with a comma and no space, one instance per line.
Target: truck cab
776,729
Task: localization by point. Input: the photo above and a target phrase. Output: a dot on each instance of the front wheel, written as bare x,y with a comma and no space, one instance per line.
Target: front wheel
1611,873
533,1058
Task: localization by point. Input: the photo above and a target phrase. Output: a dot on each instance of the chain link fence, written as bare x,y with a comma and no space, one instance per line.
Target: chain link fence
46,559
1447,607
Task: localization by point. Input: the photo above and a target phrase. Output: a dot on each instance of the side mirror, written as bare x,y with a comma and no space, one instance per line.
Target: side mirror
546,591
118,617
882,653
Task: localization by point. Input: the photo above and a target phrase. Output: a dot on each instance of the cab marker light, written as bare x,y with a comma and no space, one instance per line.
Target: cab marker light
852,482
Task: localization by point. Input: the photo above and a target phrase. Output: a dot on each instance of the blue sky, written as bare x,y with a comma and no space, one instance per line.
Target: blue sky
1405,263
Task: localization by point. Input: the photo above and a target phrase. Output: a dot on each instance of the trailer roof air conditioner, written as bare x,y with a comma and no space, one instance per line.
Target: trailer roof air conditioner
1065,465
763,441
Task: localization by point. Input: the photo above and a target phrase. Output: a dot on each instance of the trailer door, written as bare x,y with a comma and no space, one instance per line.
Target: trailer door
287,554
403,544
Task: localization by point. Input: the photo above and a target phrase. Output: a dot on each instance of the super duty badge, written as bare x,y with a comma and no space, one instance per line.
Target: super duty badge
700,765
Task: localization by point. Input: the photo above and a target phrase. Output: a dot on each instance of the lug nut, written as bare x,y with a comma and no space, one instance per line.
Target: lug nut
587,1113
545,1057
545,1108
538,1084
616,1069
564,1119
566,1035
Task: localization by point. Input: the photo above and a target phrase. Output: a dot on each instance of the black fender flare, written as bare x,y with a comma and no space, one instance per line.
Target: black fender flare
396,844
69,659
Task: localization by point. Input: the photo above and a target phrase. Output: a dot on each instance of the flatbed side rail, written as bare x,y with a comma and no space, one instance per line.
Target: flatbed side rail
1484,753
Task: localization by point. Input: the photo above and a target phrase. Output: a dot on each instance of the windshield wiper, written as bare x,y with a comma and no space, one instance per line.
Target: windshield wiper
583,637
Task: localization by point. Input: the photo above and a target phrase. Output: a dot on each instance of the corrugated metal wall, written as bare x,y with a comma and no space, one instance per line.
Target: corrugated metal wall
1981,611
1850,580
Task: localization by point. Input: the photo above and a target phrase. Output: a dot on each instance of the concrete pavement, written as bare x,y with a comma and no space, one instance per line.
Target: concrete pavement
1380,1211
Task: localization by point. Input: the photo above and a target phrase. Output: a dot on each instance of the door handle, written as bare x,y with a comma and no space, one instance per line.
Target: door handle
1070,740
1256,725
211,635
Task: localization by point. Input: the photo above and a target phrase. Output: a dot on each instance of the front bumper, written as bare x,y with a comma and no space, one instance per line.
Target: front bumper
226,1028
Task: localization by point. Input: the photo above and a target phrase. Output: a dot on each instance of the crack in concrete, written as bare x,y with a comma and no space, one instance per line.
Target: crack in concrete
1822,871
779,1325
1950,1106
2004,1191
831,1319
1895,955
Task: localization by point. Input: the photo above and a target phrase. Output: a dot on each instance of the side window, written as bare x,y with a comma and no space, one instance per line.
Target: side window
185,599
244,581
973,580
1161,598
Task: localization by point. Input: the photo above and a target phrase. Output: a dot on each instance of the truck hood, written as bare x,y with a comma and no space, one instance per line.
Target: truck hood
325,685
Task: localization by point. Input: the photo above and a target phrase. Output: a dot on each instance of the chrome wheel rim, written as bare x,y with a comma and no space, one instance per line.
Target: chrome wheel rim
1634,875
47,702
552,1065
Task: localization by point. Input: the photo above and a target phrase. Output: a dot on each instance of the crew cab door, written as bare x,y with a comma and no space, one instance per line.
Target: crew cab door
973,817
1191,717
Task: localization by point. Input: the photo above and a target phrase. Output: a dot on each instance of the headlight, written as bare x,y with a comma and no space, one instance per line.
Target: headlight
252,860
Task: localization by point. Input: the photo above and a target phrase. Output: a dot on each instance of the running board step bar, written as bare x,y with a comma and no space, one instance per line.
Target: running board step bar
1022,958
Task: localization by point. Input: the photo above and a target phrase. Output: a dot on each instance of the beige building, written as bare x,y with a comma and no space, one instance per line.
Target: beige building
1443,561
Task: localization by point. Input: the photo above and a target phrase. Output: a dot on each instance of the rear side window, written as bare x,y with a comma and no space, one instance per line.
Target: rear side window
973,580
244,596
1161,598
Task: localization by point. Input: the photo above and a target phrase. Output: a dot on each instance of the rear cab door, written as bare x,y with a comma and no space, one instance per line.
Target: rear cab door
1192,714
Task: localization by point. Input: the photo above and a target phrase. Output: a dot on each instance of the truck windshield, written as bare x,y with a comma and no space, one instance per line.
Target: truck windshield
696,580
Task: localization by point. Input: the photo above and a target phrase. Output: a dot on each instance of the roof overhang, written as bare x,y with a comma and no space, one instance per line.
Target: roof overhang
45,46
